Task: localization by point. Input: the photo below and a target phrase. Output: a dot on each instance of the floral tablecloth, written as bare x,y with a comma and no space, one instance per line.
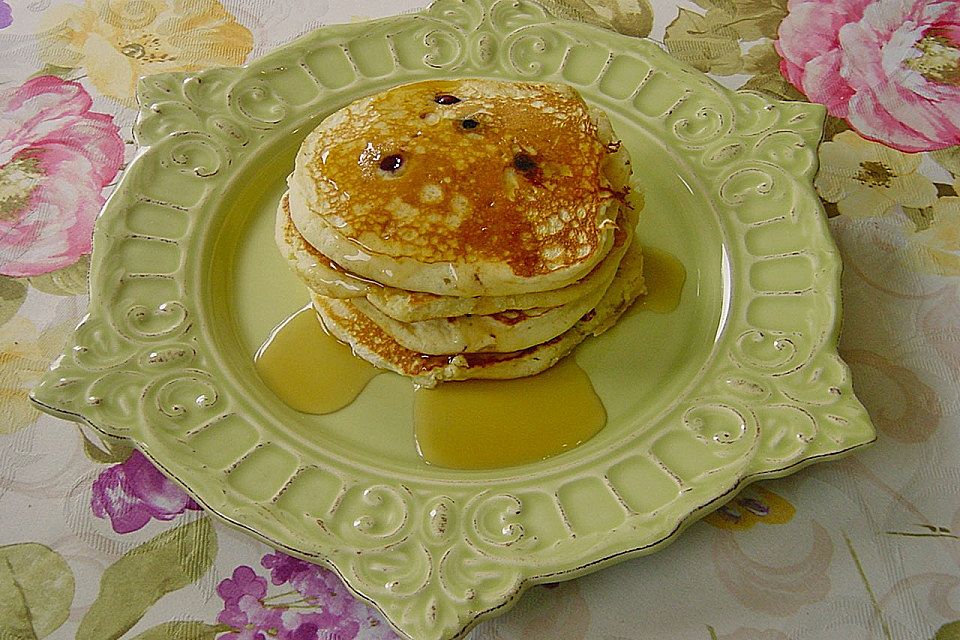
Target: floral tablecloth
96,544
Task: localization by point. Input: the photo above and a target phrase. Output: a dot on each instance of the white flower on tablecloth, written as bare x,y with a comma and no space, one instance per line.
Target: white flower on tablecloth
939,244
866,178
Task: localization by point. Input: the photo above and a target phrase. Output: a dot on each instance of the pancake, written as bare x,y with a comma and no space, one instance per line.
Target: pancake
344,321
462,188
505,331
508,330
321,274
327,278
463,229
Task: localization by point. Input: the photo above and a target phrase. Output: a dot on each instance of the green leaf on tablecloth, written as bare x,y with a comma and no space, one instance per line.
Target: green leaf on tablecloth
761,58
832,126
775,86
36,591
14,613
69,281
945,190
704,42
949,631
752,19
183,630
12,294
830,208
54,70
949,159
921,218
134,583
763,62
629,17
107,452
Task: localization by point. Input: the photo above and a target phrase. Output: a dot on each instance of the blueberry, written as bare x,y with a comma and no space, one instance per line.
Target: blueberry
391,163
469,123
523,162
446,98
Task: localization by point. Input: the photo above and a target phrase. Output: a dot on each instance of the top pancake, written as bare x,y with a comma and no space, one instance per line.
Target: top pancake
501,191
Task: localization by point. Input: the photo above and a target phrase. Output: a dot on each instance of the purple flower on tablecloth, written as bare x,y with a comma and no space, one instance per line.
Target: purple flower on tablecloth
244,608
339,613
317,608
56,156
245,582
890,69
6,15
134,492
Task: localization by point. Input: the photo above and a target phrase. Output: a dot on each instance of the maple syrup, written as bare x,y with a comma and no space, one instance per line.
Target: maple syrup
490,424
664,276
473,424
308,369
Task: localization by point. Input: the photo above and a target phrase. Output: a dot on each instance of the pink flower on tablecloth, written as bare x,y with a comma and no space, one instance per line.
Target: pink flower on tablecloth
318,608
134,492
56,156
6,15
890,69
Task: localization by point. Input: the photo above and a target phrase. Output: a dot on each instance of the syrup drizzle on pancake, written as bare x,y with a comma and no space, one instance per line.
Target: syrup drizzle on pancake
440,171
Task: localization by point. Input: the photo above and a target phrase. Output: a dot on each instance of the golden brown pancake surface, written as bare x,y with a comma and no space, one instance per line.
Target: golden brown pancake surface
451,171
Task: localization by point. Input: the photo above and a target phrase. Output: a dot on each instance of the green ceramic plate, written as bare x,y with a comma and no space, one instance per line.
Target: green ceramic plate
742,381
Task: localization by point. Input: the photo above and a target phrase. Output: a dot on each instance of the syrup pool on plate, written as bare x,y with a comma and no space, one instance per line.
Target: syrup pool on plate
472,424
490,424
664,276
310,370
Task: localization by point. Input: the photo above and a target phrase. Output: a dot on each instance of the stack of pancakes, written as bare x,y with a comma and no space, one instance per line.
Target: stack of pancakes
463,229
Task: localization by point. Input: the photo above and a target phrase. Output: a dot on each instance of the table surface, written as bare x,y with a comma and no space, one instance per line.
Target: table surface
867,547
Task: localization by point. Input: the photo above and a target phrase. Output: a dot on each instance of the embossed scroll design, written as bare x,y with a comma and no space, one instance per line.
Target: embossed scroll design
417,557
485,36
437,556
